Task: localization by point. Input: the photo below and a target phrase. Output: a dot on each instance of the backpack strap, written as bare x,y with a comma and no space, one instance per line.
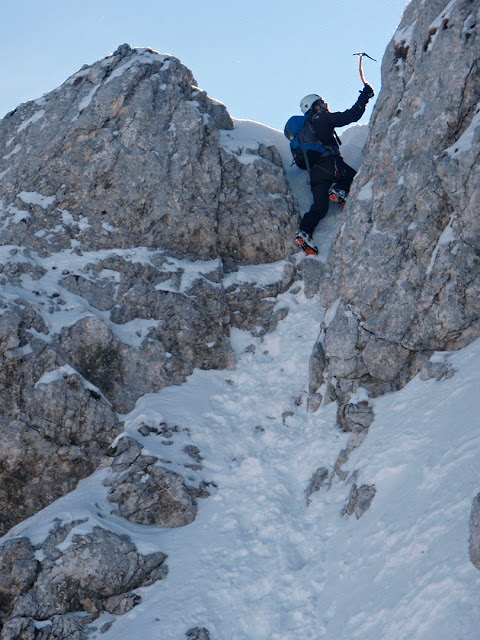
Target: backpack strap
305,155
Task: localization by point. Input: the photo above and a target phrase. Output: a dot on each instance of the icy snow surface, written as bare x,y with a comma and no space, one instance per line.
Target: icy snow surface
258,563
32,197
366,192
437,23
466,140
404,36
35,118
14,151
447,236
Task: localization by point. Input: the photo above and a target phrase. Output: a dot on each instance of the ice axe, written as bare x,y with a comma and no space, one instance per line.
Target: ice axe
360,55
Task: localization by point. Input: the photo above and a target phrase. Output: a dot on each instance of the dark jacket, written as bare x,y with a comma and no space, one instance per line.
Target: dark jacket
325,123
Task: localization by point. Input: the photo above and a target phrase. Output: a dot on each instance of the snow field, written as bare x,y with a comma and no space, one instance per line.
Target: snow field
258,563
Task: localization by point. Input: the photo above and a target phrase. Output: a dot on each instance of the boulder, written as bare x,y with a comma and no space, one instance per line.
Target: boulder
72,584
474,543
359,500
147,493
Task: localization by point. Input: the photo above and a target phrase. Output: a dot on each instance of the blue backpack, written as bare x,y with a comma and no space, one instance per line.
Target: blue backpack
301,133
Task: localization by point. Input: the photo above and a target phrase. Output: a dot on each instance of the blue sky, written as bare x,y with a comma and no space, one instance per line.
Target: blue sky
259,57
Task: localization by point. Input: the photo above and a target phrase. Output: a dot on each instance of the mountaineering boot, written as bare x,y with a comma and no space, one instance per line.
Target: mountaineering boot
338,195
304,240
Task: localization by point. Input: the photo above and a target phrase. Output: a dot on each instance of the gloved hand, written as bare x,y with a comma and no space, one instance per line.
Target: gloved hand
366,93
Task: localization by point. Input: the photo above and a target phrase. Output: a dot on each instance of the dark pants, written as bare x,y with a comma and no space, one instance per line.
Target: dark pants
327,171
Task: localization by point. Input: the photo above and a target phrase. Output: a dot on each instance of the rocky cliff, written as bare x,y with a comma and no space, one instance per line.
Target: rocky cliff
403,270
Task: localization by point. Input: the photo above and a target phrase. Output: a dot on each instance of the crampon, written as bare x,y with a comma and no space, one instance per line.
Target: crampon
339,196
305,242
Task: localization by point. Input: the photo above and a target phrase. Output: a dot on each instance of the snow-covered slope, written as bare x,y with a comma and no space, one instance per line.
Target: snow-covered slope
259,562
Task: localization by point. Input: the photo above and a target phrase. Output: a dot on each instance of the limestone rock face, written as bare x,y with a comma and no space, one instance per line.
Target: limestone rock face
18,568
185,330
403,270
125,213
54,428
127,153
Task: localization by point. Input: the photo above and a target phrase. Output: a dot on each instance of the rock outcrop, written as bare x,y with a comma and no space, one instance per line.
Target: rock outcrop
198,633
474,545
68,589
54,426
122,212
359,500
127,153
147,493
402,277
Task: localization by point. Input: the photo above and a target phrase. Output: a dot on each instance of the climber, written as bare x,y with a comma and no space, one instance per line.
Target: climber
330,176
